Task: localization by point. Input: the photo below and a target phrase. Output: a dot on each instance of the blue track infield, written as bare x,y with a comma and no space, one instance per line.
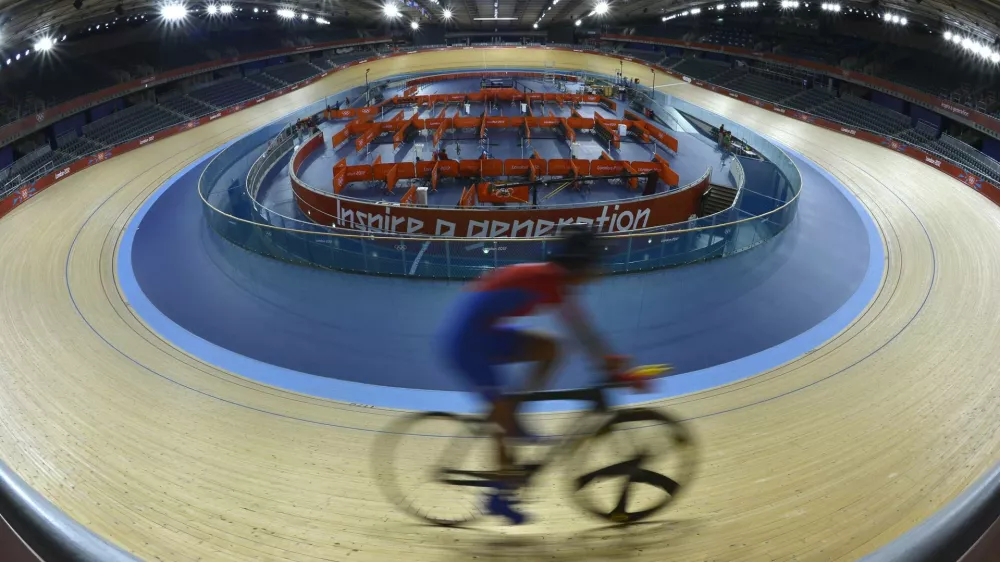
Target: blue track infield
371,340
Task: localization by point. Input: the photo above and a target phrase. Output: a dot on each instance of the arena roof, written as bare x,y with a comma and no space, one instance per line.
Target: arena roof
24,21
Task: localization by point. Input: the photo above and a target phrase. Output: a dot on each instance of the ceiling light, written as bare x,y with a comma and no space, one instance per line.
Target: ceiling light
256,10
305,17
903,21
579,23
947,36
995,56
212,9
226,9
322,21
285,13
414,25
446,14
720,7
601,8
956,39
390,11
173,12
44,44
535,26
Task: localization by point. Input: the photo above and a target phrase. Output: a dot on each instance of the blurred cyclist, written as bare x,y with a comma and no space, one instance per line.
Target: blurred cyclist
477,338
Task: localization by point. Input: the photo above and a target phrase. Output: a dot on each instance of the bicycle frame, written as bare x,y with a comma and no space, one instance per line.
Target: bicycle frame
595,395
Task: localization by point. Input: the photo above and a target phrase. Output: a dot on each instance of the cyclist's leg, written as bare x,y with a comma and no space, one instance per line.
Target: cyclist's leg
541,350
472,353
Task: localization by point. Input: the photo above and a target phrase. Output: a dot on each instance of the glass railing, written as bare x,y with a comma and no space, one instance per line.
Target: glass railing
234,217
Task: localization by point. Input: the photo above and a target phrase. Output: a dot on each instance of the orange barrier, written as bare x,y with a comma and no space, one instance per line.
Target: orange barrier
575,113
358,173
582,166
482,128
468,198
490,168
633,183
580,123
608,103
410,197
340,138
391,177
559,167
339,180
435,176
448,168
339,114
517,167
468,168
605,156
366,138
607,167
436,139
359,125
411,90
567,131
665,139
465,122
487,193
526,130
340,165
378,160
604,131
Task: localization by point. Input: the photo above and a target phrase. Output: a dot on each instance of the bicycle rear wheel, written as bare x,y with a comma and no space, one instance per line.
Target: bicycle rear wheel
633,466
435,466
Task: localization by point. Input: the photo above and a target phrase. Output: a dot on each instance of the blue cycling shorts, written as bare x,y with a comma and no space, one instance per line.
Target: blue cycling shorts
474,343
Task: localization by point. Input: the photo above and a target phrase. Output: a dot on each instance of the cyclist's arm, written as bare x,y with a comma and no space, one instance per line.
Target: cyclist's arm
584,332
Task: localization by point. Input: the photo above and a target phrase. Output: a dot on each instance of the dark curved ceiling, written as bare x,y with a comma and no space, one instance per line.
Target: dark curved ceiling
22,21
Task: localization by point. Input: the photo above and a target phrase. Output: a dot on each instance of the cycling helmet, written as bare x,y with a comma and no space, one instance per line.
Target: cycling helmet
578,247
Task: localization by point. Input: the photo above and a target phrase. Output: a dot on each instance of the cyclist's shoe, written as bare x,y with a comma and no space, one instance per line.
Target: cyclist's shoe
503,504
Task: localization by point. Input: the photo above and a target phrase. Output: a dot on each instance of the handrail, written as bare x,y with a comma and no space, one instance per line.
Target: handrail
50,533
952,530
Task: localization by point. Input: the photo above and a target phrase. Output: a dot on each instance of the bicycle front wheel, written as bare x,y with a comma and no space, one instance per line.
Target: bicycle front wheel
633,466
435,466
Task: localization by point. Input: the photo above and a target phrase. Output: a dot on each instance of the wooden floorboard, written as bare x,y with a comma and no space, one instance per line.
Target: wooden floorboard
824,458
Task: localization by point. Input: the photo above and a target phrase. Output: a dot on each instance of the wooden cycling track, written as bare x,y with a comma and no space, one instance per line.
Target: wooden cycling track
825,458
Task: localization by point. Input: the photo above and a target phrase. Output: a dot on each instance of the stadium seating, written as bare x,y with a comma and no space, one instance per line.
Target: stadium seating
267,81
808,99
228,92
763,88
700,68
187,106
130,123
292,73
972,159
859,113
80,146
649,56
729,37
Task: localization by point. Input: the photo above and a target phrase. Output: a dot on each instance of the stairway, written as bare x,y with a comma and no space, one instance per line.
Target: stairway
718,198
